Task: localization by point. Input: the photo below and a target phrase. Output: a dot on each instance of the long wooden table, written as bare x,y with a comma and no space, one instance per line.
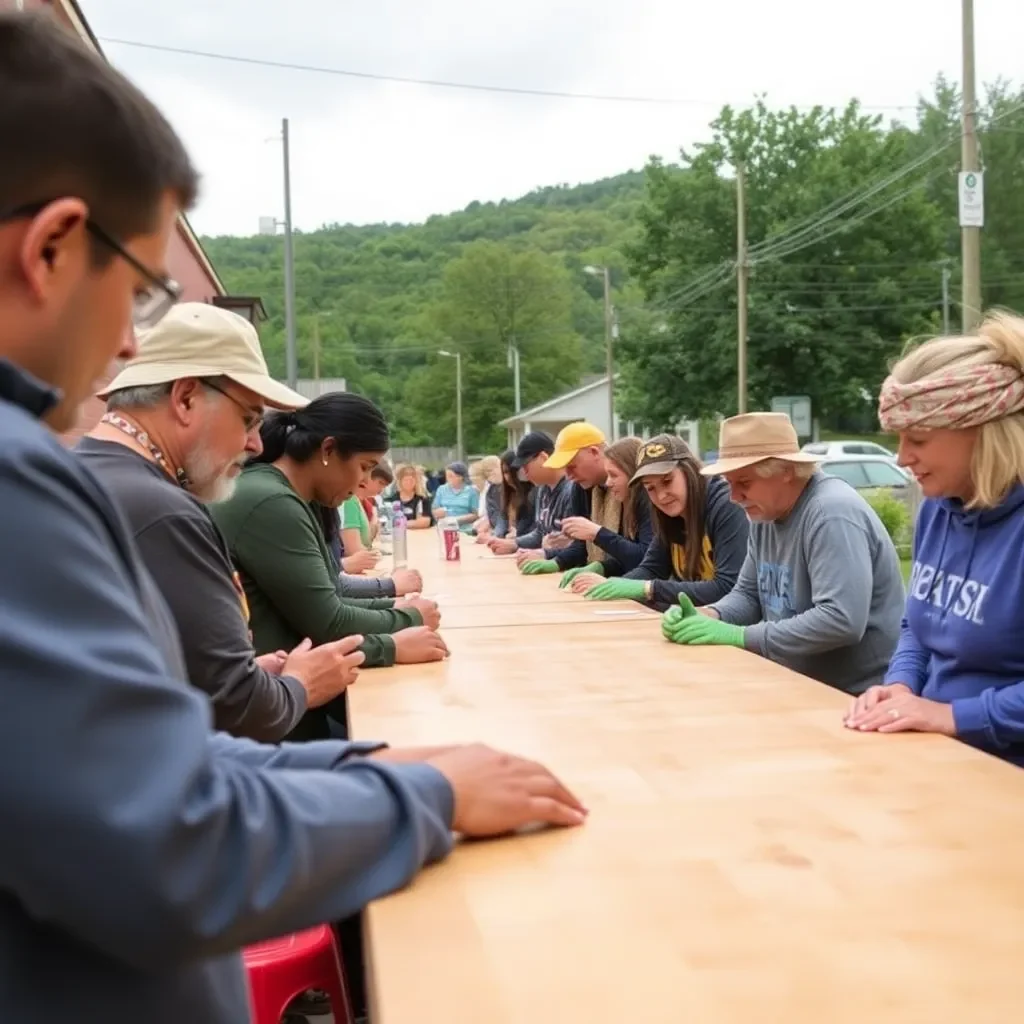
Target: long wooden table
746,858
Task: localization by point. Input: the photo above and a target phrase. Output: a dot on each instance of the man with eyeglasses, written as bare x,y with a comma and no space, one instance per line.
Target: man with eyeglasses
182,417
141,851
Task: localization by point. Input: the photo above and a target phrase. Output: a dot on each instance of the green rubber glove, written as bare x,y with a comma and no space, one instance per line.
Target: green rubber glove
617,590
700,630
539,568
595,567
677,613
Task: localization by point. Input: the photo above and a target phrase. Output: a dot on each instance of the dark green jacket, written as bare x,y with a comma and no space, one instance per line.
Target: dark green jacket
278,547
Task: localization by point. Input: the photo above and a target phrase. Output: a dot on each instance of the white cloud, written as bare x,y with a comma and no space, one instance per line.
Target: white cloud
374,151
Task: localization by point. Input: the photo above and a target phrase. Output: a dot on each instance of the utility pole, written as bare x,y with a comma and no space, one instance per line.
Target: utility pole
608,358
316,347
970,235
945,300
291,356
741,287
513,365
460,448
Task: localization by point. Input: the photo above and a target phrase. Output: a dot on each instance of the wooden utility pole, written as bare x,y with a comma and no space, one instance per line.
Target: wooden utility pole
316,348
970,235
741,287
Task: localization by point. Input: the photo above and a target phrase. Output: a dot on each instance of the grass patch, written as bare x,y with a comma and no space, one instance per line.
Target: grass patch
905,564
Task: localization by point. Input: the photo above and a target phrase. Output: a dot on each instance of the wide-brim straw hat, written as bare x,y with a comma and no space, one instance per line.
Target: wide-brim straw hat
754,437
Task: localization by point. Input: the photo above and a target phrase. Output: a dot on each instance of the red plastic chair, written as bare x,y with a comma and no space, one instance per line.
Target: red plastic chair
281,969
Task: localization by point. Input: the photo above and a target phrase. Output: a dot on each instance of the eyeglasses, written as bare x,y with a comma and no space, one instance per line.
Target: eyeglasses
150,305
252,420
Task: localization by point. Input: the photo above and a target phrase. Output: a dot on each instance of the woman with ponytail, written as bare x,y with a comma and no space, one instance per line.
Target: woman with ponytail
315,457
958,406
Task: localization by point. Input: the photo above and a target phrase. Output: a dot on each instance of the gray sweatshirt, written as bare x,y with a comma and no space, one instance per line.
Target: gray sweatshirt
821,591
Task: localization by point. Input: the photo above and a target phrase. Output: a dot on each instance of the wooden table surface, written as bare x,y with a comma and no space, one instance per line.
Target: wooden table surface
746,859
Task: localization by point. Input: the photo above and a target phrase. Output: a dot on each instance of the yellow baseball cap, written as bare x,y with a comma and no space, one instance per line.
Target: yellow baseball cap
570,440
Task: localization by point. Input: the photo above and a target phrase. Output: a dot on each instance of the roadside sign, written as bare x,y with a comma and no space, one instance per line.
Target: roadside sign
798,409
972,199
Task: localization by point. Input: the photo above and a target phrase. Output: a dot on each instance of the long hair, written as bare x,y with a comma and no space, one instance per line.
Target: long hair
688,529
624,454
354,423
516,496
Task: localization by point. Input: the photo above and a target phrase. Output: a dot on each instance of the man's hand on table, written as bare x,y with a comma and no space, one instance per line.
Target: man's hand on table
327,670
360,562
407,581
529,555
557,541
427,608
502,545
419,644
497,793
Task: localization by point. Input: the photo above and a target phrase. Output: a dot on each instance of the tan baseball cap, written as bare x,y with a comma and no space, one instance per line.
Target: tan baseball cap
196,339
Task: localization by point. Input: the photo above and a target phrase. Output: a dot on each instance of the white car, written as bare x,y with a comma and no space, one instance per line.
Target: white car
866,472
841,449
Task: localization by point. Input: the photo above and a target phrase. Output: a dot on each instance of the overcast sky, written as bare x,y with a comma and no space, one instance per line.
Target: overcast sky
366,151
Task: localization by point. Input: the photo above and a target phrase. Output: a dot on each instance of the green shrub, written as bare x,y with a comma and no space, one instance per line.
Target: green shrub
894,514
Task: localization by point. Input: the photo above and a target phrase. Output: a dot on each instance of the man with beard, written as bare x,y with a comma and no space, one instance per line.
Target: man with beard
181,419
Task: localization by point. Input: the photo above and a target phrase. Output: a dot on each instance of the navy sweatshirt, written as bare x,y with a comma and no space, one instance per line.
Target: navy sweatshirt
961,638
141,851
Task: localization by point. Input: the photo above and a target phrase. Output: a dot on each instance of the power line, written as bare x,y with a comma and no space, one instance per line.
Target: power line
445,84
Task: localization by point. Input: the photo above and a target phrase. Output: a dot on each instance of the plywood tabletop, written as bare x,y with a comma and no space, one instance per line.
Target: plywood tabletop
746,859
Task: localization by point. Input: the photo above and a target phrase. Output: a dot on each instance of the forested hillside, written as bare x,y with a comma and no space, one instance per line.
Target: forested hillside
851,222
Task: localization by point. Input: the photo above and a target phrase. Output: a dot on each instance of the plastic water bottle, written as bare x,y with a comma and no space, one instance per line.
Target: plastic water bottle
399,537
386,529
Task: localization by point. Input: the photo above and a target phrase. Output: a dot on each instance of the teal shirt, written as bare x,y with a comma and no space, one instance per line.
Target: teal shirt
458,503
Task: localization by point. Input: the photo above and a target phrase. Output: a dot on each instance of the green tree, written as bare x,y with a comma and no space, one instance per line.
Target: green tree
828,305
496,298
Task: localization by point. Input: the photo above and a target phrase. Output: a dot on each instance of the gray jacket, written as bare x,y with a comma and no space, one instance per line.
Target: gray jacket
141,851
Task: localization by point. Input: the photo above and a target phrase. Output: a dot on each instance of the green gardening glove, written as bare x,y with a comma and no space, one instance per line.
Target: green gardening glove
595,567
676,614
539,568
617,590
700,630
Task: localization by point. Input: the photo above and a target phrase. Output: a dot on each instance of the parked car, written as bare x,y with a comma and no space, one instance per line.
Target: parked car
840,449
867,472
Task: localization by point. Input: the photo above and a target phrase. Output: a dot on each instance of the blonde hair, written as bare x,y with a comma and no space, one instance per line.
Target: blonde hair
409,470
997,462
481,470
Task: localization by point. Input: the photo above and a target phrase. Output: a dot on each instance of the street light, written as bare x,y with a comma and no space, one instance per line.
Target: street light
609,334
457,356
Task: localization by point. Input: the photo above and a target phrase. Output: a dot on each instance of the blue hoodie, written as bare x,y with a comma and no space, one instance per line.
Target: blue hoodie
960,642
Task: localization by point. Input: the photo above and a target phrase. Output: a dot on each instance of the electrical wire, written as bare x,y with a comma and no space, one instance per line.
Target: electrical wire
443,83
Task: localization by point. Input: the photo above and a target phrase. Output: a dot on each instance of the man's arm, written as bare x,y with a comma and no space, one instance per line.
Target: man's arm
839,565
185,557
742,605
179,850
532,540
366,586
576,502
280,551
